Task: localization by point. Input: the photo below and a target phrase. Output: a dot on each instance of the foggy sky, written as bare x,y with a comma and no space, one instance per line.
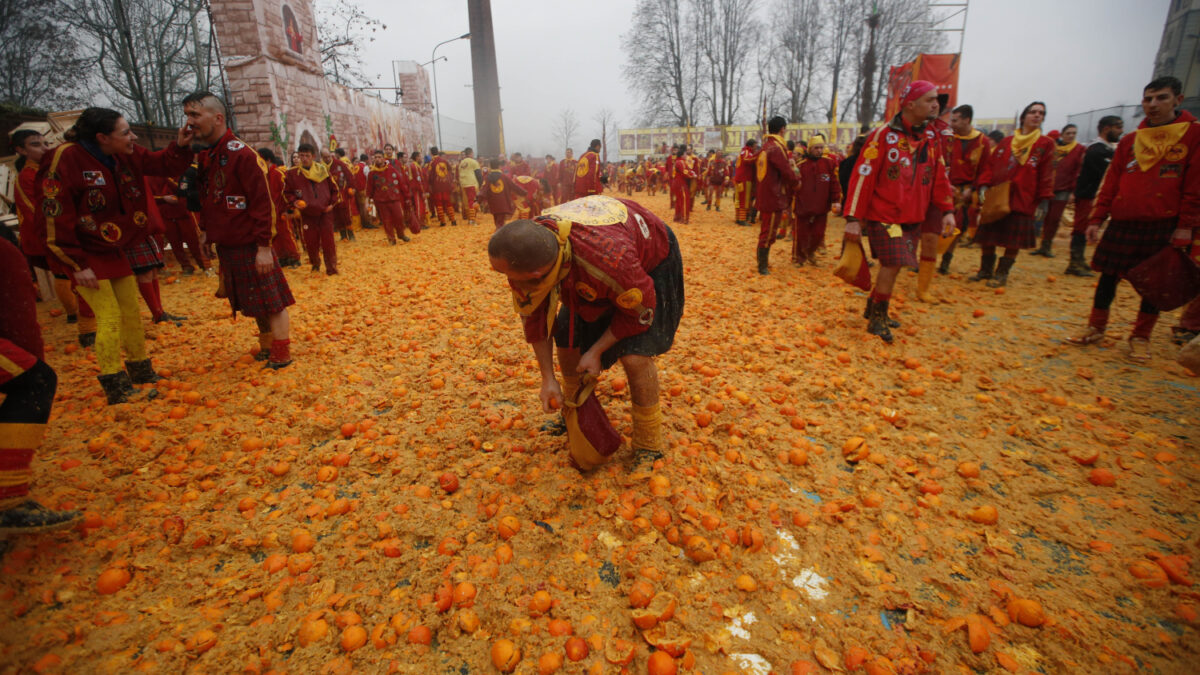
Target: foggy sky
1076,55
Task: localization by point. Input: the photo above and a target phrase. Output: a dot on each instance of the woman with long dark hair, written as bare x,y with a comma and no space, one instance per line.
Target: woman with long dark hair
92,194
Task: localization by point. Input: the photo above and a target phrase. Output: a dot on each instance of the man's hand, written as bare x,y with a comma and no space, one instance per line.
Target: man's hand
948,224
589,363
1040,212
184,138
1071,198
1093,233
853,228
1181,238
87,278
551,395
264,260
328,208
170,199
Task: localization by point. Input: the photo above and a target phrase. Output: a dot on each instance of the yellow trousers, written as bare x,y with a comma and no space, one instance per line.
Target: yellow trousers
118,322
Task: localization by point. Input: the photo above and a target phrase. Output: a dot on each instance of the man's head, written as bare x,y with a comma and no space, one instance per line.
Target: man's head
305,153
495,163
996,135
961,118
594,146
549,159
416,155
30,145
433,151
468,152
523,251
326,156
1161,98
1111,128
776,124
378,159
1032,116
570,153
364,157
918,102
516,158
107,128
340,152
943,100
205,115
389,150
816,146
751,143
269,155
1068,134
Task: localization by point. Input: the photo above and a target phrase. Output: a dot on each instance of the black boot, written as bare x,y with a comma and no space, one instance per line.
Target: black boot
351,234
891,323
114,387
1002,269
878,321
87,339
1078,266
987,264
763,256
944,268
1043,250
30,516
141,372
751,215
344,237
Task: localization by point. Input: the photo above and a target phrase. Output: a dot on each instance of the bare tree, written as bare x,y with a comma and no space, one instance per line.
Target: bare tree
726,30
902,34
608,125
794,61
661,61
38,67
342,29
565,128
844,21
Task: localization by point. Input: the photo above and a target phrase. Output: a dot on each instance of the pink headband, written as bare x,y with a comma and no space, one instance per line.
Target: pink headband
916,90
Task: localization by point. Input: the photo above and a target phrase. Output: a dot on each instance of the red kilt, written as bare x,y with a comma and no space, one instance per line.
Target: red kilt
894,251
249,292
145,255
1128,243
1011,231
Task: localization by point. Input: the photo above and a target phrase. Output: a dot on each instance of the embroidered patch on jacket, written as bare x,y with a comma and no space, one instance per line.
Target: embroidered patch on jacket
630,298
93,179
586,292
237,202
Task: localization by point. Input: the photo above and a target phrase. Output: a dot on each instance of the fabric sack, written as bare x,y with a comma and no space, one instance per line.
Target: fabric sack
590,435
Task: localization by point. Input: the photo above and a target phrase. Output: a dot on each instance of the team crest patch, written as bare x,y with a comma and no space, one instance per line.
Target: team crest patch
891,138
88,223
630,298
93,178
95,200
870,153
642,226
139,218
110,232
893,172
235,145
586,292
582,169
864,170
51,208
1170,171
646,317
51,188
236,202
497,187
1176,152
893,154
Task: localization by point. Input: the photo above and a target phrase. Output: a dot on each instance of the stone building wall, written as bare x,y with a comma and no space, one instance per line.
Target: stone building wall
278,92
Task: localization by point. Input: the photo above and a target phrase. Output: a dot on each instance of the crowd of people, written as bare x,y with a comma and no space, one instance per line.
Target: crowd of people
96,211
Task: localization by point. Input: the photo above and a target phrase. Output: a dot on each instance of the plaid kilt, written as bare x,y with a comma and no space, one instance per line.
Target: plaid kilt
249,292
144,255
1011,231
1128,243
894,251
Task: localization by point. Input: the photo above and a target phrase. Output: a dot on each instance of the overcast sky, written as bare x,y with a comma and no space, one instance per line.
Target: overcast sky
1076,55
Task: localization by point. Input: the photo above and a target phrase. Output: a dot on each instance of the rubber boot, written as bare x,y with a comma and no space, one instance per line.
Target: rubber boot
87,339
751,215
1078,266
350,233
1043,250
987,265
763,258
878,321
891,323
343,235
141,372
944,268
1002,269
114,387
924,279
30,516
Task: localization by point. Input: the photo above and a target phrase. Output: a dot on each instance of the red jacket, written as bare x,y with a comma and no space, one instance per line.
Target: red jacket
716,171
94,209
681,173
386,185
500,193
1067,164
775,175
970,159
29,217
343,177
746,162
237,206
1031,182
441,178
20,336
818,188
610,273
519,169
899,174
317,196
587,175
1169,189
566,177
160,187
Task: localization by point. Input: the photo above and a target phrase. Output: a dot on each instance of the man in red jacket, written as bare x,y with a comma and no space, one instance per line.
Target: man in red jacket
969,158
309,188
588,177
238,216
1152,192
817,193
389,192
1068,161
441,186
180,224
566,176
343,178
500,193
743,181
775,179
899,174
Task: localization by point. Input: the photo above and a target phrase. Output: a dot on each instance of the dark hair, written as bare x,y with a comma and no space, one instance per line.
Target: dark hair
996,135
965,110
467,151
433,150
680,151
1027,109
1109,121
93,121
494,163
1069,126
374,152
750,142
363,156
306,147
340,152
791,145
1165,82
416,155
856,146
200,96
18,140
269,155
594,144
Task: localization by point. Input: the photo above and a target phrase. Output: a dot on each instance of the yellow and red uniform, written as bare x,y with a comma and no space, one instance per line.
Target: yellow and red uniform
441,188
776,179
389,192
587,175
744,180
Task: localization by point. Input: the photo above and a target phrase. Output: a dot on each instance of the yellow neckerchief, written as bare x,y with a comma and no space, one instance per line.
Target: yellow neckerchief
1061,151
1022,144
379,169
761,162
969,137
316,173
1150,144
527,303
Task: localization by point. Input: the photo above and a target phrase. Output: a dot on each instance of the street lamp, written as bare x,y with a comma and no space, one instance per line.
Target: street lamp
437,106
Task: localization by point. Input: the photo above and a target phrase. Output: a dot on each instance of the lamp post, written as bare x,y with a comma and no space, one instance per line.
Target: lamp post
437,106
